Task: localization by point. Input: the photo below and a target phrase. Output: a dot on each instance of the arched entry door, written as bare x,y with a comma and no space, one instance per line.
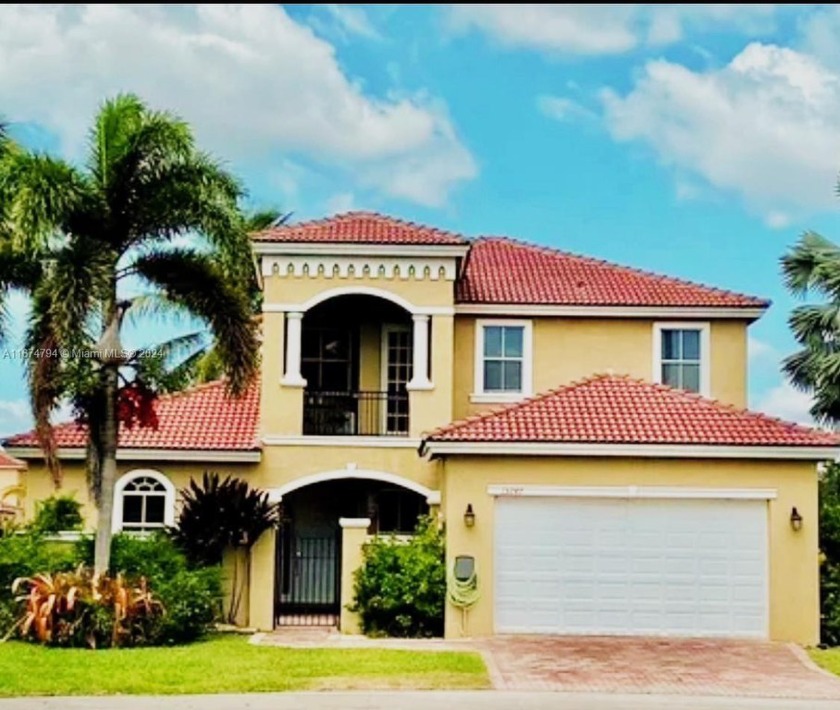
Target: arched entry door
308,550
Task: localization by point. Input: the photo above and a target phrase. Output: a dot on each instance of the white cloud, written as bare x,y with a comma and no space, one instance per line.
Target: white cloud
562,108
760,351
819,31
786,402
352,20
341,202
252,81
762,127
777,220
603,29
15,417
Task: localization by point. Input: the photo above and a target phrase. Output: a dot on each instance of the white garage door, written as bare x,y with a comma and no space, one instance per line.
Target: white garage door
618,567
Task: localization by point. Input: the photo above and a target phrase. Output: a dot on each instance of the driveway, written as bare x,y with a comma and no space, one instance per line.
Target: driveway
656,666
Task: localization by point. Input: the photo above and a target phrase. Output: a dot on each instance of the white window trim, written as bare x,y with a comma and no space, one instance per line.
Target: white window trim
657,492
479,395
125,479
388,328
704,329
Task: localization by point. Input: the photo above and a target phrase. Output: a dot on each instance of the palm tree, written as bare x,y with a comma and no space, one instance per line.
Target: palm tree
202,361
812,266
147,211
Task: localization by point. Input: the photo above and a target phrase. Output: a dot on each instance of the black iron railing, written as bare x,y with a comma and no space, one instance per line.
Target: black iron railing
361,413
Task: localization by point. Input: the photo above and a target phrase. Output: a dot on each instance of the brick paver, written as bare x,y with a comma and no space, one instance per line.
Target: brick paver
661,666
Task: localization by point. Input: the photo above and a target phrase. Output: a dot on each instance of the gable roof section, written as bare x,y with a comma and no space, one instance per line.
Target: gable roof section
505,271
203,418
360,228
619,410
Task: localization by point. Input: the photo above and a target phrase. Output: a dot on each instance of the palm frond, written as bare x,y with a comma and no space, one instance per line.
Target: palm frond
39,194
157,306
258,220
45,383
195,281
189,195
77,284
813,264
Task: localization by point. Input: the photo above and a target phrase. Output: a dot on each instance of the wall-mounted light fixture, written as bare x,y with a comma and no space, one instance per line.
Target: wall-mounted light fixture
469,516
795,519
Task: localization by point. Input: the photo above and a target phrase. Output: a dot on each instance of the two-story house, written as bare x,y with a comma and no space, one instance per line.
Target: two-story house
578,426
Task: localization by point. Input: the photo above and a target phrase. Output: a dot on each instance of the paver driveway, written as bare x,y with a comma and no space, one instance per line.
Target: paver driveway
648,665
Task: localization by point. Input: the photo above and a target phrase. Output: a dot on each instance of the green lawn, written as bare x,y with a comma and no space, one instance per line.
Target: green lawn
828,658
228,664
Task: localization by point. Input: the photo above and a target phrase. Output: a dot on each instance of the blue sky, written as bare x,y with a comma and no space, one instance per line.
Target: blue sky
698,141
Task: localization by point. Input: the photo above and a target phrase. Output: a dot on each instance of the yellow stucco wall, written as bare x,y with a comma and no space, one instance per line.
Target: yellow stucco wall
38,483
298,289
570,349
793,556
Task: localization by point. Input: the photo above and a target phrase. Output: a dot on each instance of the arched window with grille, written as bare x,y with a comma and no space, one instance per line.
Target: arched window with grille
144,501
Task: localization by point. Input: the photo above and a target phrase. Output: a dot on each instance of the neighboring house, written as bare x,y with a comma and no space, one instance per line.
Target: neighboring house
615,483
10,491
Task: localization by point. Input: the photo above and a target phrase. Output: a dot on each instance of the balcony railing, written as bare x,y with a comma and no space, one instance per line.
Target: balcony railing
360,413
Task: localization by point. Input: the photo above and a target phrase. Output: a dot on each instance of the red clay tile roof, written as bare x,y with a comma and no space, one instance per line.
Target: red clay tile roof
359,228
10,462
202,418
610,409
501,270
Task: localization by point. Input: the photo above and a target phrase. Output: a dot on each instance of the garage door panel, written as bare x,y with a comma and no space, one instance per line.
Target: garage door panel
664,567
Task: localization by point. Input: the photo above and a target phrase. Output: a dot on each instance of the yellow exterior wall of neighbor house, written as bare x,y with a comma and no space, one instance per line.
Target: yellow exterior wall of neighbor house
9,487
571,349
793,556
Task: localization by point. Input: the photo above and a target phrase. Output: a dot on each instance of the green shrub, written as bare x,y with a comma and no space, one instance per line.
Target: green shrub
56,514
191,596
23,554
400,589
830,548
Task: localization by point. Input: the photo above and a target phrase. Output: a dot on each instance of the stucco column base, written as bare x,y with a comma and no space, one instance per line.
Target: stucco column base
353,538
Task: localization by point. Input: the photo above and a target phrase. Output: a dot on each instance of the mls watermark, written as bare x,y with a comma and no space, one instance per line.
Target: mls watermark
80,354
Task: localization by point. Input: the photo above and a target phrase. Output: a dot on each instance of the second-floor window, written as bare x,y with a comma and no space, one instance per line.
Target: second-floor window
682,356
503,365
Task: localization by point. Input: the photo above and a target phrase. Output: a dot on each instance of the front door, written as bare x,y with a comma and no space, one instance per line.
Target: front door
396,373
307,577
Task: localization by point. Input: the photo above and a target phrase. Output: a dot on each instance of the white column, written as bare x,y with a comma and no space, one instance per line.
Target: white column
292,376
420,360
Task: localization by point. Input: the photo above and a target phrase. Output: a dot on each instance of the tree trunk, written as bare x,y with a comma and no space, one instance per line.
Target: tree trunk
108,469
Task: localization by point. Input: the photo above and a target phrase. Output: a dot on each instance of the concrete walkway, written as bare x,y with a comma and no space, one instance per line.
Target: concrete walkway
467,700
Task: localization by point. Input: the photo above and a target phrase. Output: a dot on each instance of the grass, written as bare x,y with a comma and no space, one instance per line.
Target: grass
228,664
828,658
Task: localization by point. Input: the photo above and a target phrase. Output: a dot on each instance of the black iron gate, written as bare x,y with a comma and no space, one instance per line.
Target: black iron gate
307,579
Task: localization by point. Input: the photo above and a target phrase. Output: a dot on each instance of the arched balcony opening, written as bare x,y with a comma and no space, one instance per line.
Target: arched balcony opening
356,357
